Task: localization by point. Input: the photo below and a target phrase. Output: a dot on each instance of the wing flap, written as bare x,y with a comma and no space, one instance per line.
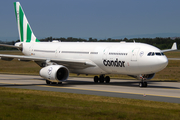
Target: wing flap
11,46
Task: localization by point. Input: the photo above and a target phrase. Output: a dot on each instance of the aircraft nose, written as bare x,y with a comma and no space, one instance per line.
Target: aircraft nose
162,62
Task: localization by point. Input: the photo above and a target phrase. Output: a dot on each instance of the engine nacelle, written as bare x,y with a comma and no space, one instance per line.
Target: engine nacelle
55,73
144,76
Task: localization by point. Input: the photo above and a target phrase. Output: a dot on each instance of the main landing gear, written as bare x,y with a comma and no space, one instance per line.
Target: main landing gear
49,82
101,79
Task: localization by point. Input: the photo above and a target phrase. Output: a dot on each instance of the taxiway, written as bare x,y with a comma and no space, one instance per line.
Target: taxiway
156,91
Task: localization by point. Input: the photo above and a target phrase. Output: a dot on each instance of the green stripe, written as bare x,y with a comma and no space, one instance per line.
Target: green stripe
21,16
29,33
37,40
15,10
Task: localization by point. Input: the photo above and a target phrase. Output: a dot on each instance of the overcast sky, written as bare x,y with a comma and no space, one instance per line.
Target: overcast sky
93,18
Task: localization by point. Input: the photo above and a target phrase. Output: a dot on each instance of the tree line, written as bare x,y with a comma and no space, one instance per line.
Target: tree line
161,43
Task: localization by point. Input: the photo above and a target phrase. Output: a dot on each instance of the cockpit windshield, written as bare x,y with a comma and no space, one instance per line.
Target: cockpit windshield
150,54
155,53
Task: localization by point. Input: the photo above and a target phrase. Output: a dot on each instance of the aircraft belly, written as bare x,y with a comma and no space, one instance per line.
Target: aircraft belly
134,70
90,70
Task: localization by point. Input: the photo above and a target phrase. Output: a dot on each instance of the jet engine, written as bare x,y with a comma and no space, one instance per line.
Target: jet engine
55,73
143,76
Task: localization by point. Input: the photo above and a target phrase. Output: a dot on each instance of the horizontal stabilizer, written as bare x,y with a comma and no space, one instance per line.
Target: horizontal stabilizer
11,46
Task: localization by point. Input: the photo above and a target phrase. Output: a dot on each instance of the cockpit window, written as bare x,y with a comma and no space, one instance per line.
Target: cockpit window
159,54
149,54
155,53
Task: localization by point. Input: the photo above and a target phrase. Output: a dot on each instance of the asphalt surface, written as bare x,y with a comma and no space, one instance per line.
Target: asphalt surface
156,91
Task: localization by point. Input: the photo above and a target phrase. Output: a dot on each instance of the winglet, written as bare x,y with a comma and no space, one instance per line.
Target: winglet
173,48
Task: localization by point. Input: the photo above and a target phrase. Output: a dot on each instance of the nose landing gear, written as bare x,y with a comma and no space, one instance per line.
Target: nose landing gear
143,83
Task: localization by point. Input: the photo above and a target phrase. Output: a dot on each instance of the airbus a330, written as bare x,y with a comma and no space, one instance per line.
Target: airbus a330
58,59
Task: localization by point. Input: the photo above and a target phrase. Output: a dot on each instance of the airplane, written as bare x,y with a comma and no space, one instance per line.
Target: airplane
58,59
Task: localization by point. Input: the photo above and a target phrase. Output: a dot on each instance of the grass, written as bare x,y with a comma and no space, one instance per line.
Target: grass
173,54
171,72
32,104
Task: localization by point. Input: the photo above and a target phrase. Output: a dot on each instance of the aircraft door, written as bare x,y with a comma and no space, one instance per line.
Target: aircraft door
105,53
134,54
105,57
57,52
31,52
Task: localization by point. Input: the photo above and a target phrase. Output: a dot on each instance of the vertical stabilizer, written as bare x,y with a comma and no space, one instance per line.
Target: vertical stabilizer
25,32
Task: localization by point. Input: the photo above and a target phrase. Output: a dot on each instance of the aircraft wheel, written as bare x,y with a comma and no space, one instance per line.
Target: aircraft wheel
101,79
53,82
143,84
107,79
59,82
48,82
96,79
140,84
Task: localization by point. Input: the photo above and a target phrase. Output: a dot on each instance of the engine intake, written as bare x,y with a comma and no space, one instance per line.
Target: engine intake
55,73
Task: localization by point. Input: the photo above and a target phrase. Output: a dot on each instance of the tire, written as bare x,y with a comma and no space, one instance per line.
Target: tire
96,79
141,84
59,83
101,79
48,82
107,79
145,84
53,82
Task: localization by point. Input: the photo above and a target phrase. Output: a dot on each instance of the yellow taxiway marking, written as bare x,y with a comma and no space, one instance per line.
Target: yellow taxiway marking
112,91
100,90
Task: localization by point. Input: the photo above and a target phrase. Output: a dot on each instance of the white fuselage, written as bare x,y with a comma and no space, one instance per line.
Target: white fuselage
109,58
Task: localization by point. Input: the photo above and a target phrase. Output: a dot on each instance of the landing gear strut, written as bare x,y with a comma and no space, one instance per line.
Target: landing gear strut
101,79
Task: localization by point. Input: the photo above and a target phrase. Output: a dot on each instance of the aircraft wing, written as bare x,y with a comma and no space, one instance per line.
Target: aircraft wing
173,48
75,63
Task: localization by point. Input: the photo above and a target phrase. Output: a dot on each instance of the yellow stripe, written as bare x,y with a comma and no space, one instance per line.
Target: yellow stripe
111,91
101,90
